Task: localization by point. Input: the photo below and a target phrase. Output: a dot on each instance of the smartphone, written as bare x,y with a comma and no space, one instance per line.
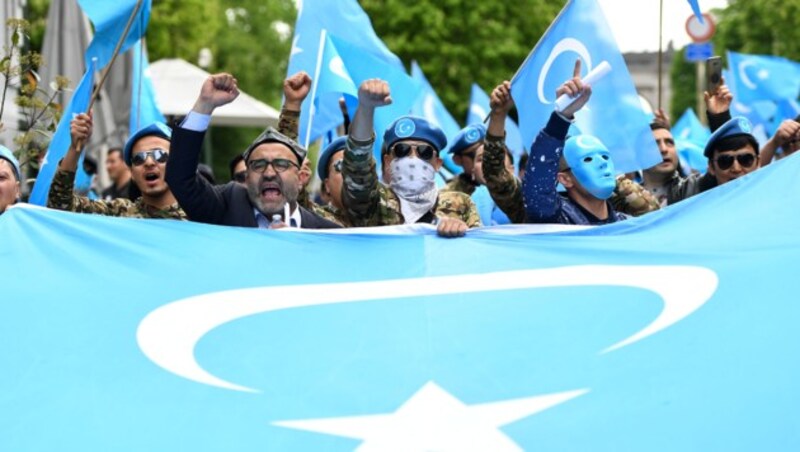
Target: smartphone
713,74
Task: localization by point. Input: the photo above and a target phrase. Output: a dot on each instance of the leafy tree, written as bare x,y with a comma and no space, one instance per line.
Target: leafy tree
759,27
460,42
180,28
683,76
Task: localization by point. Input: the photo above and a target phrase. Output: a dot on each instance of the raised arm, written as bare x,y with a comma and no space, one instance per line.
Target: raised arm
718,106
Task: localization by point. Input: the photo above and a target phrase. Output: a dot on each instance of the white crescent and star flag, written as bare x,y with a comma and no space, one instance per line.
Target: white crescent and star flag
676,330
614,114
763,77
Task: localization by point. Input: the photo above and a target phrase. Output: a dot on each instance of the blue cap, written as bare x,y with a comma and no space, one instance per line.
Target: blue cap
467,137
325,158
158,129
6,154
414,128
737,126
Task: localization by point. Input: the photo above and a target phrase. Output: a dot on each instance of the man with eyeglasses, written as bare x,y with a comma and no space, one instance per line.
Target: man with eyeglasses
410,161
145,152
732,151
465,147
273,179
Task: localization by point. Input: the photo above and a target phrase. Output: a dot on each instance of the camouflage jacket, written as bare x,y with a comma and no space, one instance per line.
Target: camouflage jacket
62,197
371,203
289,125
506,190
461,183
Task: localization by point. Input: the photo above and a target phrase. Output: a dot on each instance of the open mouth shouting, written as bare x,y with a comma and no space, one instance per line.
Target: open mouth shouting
152,178
271,192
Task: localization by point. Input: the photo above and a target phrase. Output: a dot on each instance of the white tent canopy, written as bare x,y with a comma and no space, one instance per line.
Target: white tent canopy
177,84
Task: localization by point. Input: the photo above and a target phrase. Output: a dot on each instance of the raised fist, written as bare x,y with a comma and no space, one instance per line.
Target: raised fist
374,93
500,101
217,90
295,90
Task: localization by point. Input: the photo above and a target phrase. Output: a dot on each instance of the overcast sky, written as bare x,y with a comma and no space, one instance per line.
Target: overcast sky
635,22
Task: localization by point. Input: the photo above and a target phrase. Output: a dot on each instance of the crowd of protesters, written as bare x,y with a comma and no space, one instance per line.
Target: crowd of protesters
158,174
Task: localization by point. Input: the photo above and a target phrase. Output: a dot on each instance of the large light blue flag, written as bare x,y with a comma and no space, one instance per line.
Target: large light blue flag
479,108
763,77
144,107
343,18
614,114
109,19
429,106
362,65
690,137
676,330
59,144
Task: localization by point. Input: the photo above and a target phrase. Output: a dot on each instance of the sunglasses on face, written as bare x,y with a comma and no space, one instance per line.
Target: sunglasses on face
158,155
424,151
337,165
240,177
279,165
724,162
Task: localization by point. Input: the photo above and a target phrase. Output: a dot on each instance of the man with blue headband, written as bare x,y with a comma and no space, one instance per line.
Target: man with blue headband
146,153
410,159
9,179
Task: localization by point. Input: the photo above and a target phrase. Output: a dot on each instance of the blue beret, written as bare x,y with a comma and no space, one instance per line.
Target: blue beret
325,158
737,126
158,129
467,137
6,154
414,128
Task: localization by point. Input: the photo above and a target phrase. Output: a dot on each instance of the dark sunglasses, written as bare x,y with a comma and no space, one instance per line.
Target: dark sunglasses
159,155
279,165
240,177
337,165
424,151
745,160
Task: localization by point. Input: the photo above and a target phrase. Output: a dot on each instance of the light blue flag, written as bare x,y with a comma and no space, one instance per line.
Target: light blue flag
331,82
696,10
144,108
614,114
689,127
362,65
59,144
673,331
429,106
763,77
343,18
109,19
758,112
479,108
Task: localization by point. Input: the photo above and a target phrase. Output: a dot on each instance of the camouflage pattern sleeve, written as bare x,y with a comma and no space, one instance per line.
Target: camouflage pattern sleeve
360,193
289,123
505,189
329,213
459,184
62,197
454,204
633,199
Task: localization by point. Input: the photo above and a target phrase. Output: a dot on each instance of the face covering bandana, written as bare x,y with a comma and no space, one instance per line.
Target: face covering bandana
413,182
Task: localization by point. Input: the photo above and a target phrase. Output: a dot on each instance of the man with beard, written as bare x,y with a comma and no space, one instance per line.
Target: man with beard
273,180
146,153
411,147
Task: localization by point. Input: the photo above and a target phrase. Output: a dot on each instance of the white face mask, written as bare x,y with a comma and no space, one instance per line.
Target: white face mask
412,177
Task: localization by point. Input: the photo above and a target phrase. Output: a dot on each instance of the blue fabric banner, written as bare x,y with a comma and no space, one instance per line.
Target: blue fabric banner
672,331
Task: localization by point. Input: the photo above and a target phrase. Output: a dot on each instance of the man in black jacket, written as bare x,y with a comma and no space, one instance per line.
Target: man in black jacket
273,172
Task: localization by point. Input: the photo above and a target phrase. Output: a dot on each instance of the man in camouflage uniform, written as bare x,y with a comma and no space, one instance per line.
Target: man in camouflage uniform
410,161
465,148
506,190
145,152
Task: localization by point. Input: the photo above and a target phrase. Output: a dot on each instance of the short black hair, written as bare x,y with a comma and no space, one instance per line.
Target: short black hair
235,161
113,150
523,160
656,125
735,142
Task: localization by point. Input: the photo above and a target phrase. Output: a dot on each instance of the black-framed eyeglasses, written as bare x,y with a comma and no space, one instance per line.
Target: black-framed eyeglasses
240,177
279,165
337,165
725,161
424,151
158,155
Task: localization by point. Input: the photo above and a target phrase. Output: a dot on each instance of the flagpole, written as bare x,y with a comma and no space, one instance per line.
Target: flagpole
107,69
322,34
660,47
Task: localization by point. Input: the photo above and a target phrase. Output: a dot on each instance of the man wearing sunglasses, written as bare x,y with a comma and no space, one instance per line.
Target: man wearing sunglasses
465,147
329,169
732,151
410,161
273,178
145,152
